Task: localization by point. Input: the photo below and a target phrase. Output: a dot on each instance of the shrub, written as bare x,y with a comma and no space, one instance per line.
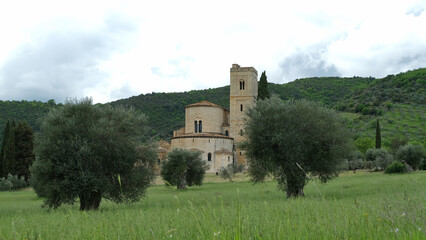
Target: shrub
356,161
12,182
396,167
378,158
413,155
183,167
230,171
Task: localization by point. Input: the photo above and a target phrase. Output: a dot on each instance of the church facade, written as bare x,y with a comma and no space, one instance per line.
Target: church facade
214,130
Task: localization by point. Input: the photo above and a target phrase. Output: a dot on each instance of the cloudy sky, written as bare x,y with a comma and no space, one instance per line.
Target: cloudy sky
117,49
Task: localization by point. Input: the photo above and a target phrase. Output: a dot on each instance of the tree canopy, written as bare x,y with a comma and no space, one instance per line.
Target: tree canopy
292,139
183,167
262,90
91,152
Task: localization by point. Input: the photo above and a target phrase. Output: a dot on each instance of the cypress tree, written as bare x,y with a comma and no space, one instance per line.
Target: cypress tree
24,144
3,144
9,152
378,136
262,92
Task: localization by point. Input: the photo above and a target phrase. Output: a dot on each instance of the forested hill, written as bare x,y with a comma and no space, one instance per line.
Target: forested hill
366,97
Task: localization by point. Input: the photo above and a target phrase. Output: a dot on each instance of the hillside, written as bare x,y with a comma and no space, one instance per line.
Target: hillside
397,100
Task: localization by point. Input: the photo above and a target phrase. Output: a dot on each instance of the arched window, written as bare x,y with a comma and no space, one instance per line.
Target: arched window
200,126
226,133
241,106
209,157
229,158
158,161
195,126
241,132
242,85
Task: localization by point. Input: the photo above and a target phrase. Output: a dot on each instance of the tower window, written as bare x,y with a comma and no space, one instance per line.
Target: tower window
209,157
242,85
241,106
226,133
200,126
241,132
158,161
195,126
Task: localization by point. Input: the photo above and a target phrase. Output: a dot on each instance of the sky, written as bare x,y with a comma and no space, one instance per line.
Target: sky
109,50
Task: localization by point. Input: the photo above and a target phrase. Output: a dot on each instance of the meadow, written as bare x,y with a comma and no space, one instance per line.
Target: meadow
358,205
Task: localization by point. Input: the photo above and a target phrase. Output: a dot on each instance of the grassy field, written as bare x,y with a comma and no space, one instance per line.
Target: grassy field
354,206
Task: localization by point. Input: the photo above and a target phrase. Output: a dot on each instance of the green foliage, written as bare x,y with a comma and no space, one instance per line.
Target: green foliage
413,155
230,171
290,139
24,155
183,167
396,167
262,91
378,159
91,152
24,111
378,135
356,161
12,182
9,164
3,170
364,143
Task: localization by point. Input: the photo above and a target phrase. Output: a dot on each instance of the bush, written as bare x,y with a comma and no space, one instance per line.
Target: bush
230,171
356,161
396,167
183,167
413,155
12,182
377,158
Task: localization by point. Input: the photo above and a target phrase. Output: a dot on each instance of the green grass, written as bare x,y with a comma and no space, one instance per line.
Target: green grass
354,206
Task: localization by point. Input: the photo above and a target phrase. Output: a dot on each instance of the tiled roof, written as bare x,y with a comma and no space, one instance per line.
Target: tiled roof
205,104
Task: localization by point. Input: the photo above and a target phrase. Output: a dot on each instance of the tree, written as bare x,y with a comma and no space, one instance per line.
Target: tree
91,152
230,171
292,139
378,136
378,159
412,155
9,163
183,167
363,144
3,171
262,92
24,145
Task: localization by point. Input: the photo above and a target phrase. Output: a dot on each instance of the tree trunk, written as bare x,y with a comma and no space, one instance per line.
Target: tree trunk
296,193
90,201
182,184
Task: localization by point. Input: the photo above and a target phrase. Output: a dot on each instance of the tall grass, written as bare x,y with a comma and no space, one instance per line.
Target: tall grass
354,206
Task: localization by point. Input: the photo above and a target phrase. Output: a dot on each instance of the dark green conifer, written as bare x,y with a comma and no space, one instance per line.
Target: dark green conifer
24,144
378,135
262,92
9,152
3,144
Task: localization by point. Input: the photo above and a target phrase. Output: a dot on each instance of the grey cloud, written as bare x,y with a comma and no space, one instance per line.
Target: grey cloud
309,62
60,64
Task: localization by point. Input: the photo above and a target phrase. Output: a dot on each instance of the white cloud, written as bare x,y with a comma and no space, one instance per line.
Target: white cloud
115,50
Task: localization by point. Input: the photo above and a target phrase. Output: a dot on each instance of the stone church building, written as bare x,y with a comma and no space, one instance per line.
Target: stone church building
214,130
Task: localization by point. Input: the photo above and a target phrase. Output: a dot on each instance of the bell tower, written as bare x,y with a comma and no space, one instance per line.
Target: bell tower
243,95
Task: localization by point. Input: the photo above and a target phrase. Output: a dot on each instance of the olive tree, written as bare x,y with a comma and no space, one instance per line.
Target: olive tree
294,140
89,152
183,167
412,155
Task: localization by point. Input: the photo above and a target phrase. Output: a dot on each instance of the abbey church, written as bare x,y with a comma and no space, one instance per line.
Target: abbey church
214,130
